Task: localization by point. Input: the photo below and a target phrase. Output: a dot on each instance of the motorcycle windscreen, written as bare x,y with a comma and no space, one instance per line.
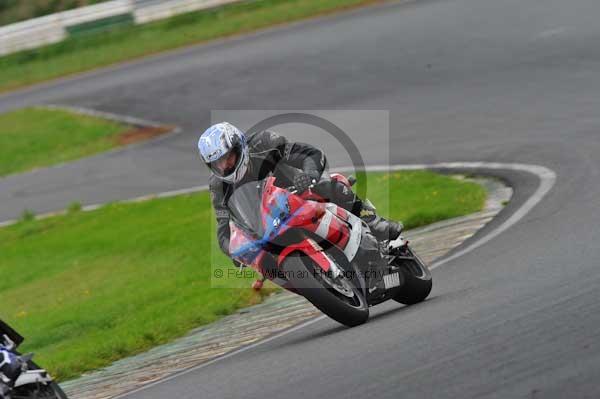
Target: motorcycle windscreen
245,207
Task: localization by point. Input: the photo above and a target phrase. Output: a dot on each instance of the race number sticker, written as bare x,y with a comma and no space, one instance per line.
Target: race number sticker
391,280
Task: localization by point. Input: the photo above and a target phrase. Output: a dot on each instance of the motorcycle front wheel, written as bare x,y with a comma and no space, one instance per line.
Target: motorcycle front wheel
339,298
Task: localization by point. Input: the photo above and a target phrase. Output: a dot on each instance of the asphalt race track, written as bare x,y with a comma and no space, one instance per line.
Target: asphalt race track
512,81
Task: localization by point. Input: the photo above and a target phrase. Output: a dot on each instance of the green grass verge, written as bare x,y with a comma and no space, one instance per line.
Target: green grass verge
83,53
36,137
88,288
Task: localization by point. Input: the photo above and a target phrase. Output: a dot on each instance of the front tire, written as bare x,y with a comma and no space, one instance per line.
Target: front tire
346,304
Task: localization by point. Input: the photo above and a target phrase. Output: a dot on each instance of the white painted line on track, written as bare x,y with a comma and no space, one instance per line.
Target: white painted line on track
550,33
547,179
129,120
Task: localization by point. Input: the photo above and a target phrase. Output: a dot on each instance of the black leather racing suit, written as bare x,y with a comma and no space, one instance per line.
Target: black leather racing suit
268,150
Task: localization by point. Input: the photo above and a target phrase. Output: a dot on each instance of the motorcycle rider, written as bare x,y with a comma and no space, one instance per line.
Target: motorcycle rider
10,369
235,159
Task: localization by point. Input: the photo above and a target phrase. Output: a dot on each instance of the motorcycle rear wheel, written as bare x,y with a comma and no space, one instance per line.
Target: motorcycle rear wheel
417,280
344,303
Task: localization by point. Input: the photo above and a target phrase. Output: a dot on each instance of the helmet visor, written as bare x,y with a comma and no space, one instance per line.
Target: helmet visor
228,163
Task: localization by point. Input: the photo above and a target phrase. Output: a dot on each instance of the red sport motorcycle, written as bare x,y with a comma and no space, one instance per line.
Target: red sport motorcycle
321,251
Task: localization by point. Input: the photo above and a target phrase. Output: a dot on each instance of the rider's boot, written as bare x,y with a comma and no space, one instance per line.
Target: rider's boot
382,229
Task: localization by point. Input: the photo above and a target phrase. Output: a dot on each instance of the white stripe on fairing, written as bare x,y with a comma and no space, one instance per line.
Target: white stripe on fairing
355,230
323,228
355,236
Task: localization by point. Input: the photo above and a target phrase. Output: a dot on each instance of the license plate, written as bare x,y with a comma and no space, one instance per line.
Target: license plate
391,280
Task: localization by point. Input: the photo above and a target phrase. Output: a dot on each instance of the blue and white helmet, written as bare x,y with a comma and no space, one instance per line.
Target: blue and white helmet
224,150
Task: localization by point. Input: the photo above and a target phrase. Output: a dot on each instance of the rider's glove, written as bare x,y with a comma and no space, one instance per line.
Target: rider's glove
303,181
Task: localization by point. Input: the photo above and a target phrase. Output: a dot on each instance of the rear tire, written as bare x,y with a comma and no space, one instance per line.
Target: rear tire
417,280
300,271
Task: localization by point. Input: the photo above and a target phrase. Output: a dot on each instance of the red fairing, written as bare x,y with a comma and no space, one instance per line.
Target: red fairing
301,211
238,238
310,248
338,233
307,214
